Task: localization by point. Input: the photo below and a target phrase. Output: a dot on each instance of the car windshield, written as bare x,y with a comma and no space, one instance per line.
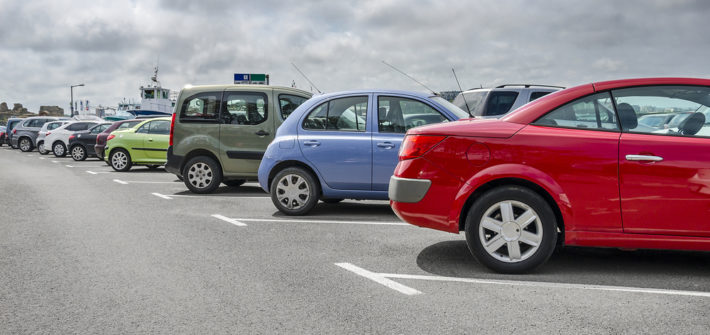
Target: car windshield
460,113
474,100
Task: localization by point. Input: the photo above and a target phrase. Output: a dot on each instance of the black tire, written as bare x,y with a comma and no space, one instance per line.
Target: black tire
202,175
234,182
78,152
331,201
41,149
120,160
541,230
25,144
303,187
59,149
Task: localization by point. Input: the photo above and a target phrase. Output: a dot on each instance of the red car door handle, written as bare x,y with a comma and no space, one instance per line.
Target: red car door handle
644,158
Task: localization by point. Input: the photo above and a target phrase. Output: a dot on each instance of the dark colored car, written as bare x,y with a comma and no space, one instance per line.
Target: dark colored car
81,144
101,138
2,135
11,123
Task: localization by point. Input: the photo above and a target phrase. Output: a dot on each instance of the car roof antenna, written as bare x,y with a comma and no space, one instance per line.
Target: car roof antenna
462,93
410,77
304,76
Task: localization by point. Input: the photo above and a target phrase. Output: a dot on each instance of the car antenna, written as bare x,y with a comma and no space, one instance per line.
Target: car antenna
304,76
410,77
462,93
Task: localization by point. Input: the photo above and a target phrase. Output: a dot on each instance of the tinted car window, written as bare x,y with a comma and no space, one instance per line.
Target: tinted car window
245,108
54,125
591,112
201,107
536,95
472,99
288,103
159,127
344,114
500,103
397,115
128,124
691,104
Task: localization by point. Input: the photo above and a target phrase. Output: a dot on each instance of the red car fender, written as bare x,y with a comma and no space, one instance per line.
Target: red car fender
517,171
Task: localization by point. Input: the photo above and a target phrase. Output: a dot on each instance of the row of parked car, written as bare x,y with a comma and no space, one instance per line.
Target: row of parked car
577,166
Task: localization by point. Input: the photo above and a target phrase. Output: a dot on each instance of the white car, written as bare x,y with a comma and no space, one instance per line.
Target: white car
58,139
47,127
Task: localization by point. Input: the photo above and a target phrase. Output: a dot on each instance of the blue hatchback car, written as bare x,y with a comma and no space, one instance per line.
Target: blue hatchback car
344,145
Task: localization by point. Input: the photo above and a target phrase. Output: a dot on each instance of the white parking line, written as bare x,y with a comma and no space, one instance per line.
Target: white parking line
42,158
206,195
162,196
69,165
97,172
55,161
126,182
232,221
378,277
390,223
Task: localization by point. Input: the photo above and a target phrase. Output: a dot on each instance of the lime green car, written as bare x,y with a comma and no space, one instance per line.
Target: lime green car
144,144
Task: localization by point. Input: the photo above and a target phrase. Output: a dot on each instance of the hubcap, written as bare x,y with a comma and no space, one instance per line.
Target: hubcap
77,153
119,160
292,191
199,175
510,231
59,149
25,144
40,147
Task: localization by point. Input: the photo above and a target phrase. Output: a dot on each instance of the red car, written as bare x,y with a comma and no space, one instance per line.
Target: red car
572,168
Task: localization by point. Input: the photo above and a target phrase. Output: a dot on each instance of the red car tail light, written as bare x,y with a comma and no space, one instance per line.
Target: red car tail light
14,131
71,137
47,134
172,130
414,146
110,137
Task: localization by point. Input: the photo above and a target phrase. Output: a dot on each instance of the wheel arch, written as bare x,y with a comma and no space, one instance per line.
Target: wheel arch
201,152
507,181
294,163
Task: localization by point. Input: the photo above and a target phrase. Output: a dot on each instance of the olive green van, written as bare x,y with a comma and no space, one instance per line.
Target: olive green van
219,132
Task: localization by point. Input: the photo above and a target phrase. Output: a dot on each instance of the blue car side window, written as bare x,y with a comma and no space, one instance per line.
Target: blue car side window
343,114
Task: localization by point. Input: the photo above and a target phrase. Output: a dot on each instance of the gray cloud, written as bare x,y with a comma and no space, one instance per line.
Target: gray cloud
111,46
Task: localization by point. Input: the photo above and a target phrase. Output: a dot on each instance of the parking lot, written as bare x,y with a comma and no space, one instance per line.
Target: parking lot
84,249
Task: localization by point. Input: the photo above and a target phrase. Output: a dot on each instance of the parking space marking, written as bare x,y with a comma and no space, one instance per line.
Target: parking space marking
42,158
55,161
377,277
97,172
69,165
162,196
226,219
126,182
386,223
207,195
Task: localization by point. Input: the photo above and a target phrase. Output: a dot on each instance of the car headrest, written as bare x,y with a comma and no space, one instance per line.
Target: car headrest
627,116
692,124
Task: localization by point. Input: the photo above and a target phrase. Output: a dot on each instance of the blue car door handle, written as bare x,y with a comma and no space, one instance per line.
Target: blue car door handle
311,143
385,145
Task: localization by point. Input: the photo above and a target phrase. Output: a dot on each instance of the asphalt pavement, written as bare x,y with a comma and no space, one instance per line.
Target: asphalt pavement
84,249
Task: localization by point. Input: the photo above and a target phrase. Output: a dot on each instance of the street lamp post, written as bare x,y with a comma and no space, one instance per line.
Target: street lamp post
71,102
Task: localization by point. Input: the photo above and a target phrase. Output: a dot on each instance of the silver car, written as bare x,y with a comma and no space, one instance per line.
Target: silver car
498,101
25,133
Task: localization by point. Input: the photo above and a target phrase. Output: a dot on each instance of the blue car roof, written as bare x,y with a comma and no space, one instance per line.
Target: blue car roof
377,91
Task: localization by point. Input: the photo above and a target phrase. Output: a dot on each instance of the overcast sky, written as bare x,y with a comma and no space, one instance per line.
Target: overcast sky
112,46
